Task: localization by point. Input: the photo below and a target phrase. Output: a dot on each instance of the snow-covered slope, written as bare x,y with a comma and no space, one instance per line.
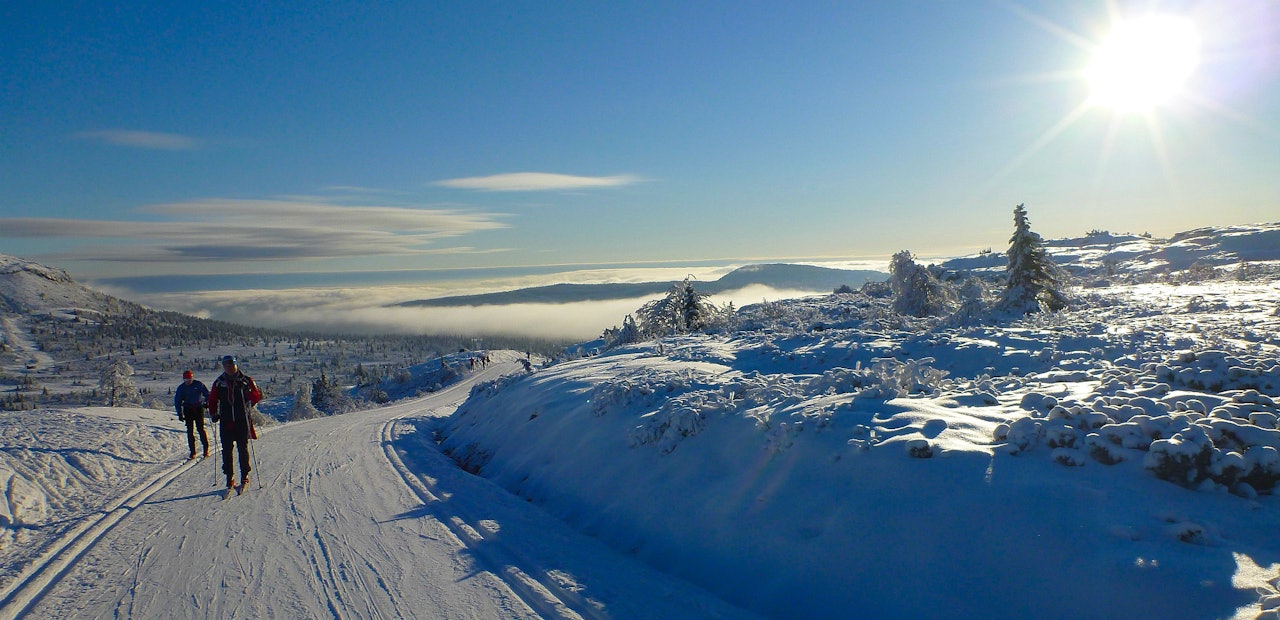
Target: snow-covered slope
830,459
27,287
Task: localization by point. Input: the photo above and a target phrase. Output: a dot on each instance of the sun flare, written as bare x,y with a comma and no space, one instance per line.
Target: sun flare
1144,63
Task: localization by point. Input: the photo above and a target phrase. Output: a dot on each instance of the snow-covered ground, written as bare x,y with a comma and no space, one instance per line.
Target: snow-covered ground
822,461
357,516
823,457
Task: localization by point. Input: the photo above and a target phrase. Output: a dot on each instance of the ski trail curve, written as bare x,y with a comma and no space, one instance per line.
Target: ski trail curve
532,582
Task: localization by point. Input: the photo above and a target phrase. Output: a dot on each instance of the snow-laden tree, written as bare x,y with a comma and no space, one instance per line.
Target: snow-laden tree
117,384
327,396
916,291
682,310
1034,280
302,408
972,295
627,334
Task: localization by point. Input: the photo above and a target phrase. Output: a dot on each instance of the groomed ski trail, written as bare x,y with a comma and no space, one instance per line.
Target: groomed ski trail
347,524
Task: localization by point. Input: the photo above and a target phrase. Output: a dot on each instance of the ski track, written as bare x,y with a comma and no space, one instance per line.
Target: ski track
41,574
77,576
541,593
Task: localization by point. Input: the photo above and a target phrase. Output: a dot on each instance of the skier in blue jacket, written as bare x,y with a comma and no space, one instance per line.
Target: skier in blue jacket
190,399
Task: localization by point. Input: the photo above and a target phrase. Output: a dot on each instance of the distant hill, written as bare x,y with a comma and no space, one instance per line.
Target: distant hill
776,275
28,287
57,336
1102,252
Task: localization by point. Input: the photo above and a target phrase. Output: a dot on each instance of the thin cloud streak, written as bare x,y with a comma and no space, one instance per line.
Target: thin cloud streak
536,182
142,139
261,230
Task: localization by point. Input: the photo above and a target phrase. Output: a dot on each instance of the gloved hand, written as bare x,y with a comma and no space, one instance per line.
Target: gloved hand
215,417
180,417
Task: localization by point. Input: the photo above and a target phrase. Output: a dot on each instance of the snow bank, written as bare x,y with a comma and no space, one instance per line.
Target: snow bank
829,456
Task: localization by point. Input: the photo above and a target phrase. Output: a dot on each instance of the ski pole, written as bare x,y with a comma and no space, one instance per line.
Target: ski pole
253,455
217,434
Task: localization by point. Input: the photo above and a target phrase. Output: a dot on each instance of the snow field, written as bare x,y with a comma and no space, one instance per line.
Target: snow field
828,457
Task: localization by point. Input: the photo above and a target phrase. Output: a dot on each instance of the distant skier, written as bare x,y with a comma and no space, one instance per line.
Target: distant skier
230,400
190,399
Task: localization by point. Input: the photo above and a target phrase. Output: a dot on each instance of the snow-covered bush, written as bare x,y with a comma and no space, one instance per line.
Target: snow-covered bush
668,425
1184,442
302,408
919,448
885,378
329,398
917,291
1216,371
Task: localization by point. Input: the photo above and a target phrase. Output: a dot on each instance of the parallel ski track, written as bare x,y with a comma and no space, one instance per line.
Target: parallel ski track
20,595
525,578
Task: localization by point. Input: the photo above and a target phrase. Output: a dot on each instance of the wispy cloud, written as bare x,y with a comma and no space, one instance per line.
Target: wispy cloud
261,230
536,182
142,139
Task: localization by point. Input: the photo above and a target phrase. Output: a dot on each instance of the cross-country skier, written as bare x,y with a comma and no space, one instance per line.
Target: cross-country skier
190,400
233,394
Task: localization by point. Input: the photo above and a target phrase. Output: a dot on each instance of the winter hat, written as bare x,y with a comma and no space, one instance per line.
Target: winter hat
228,359
187,374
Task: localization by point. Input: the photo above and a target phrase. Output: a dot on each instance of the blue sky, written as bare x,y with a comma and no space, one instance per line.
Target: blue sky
220,138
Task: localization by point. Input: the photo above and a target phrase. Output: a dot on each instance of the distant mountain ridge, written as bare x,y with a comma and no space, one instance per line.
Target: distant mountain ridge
782,276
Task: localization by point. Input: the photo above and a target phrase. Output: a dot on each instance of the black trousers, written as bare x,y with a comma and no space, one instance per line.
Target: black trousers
195,421
240,442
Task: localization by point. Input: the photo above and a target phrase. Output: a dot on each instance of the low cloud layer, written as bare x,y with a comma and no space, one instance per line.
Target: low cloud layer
260,230
364,310
536,182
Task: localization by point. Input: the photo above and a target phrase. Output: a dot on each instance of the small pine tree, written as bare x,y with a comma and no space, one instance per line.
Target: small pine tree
681,311
117,384
1034,280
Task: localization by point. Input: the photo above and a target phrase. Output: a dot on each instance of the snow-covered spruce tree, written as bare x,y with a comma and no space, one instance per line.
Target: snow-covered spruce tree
681,311
1034,280
328,397
117,384
916,291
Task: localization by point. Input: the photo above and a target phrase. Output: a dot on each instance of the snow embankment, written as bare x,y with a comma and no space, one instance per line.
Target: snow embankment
821,473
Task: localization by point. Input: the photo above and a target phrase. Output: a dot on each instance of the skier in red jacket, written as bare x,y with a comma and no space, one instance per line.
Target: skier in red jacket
230,400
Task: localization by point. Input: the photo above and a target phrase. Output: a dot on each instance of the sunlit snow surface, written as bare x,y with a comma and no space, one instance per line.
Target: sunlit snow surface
831,456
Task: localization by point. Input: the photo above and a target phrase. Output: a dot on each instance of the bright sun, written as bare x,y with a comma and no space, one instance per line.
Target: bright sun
1143,63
